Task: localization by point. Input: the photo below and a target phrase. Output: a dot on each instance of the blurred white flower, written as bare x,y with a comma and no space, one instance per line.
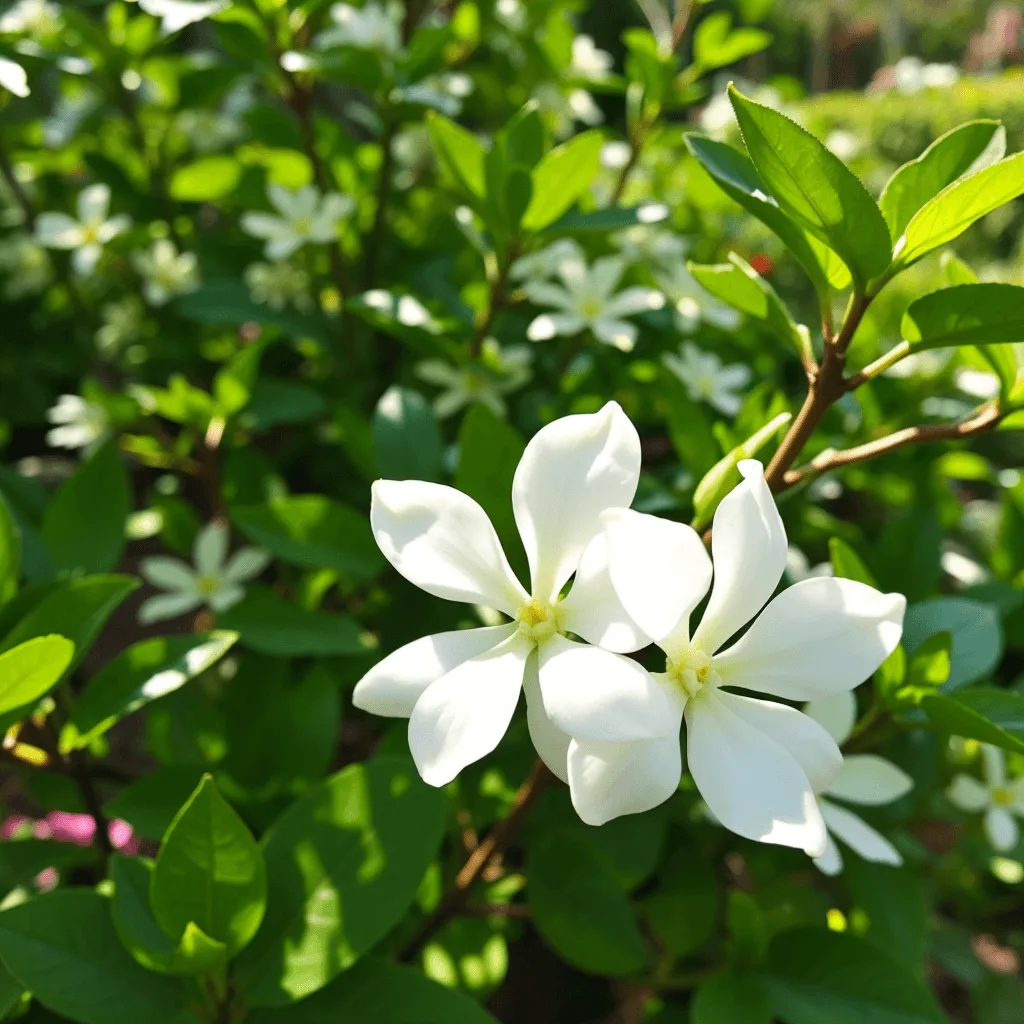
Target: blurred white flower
911,75
844,144
615,154
26,267
588,60
214,580
866,780
13,78
36,18
1001,801
566,108
208,130
799,567
279,284
303,216
68,113
177,14
718,119
707,379
652,247
122,323
692,303
370,27
498,372
977,383
443,92
587,300
544,263
87,235
166,272
80,424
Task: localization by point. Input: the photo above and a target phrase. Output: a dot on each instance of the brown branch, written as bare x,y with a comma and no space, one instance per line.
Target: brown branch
495,842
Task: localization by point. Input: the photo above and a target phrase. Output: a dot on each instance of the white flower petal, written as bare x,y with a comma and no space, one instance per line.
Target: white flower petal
620,334
631,301
836,714
859,835
58,231
166,606
93,204
463,715
968,794
817,638
246,564
607,780
264,225
752,785
225,597
572,470
551,744
283,247
442,541
870,780
748,548
995,764
211,549
1001,829
596,695
661,572
168,573
392,687
592,608
84,260
831,861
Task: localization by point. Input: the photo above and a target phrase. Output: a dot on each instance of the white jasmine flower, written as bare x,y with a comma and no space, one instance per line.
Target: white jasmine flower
977,383
166,272
911,75
615,155
798,567
370,27
13,78
588,60
208,130
587,300
498,372
565,108
26,267
36,18
459,690
87,235
122,323
279,284
177,14
68,114
652,247
844,144
707,380
691,302
214,580
304,216
864,779
545,263
758,764
80,424
1002,802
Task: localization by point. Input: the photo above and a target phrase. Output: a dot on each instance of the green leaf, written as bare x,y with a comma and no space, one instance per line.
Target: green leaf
736,176
815,975
684,908
731,997
406,437
21,860
714,45
611,219
968,314
234,382
143,673
579,908
894,902
965,149
63,948
975,629
151,802
999,999
561,177
209,872
460,152
688,429
404,317
84,523
275,403
30,670
958,206
312,531
815,187
10,554
847,564
343,865
211,177
383,993
269,624
959,719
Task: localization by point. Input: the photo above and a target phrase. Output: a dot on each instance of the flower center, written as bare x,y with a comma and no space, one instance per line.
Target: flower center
537,620
591,308
1001,796
90,234
302,225
206,586
693,672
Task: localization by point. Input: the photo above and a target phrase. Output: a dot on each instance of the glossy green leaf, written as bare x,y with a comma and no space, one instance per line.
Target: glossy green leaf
896,907
10,553
460,151
209,872
716,43
968,314
30,670
343,865
959,719
210,177
406,437
975,629
815,187
561,177
731,997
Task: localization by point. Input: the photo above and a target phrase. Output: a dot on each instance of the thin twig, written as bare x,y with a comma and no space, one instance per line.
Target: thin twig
19,193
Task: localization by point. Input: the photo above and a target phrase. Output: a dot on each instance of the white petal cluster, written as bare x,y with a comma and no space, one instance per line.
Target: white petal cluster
78,424
303,216
87,235
373,26
214,579
498,372
166,272
706,379
1002,802
279,284
175,15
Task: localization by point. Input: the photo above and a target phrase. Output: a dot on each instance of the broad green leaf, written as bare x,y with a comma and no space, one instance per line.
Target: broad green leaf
195,953
209,872
1004,708
10,554
143,673
968,314
579,908
999,999
716,43
460,151
21,860
312,531
84,523
274,403
975,629
269,624
30,670
343,866
211,177
847,564
381,992
958,206
959,719
151,802
967,148
685,906
746,927
815,975
610,219
813,185
731,997
63,948
406,437
561,177
894,902
11,992
736,176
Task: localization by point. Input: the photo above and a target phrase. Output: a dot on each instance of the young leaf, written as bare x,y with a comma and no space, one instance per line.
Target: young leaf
715,46
969,314
815,187
343,865
730,997
950,213
205,179
10,554
406,437
561,177
30,670
847,564
84,523
975,629
960,719
460,152
209,872
965,149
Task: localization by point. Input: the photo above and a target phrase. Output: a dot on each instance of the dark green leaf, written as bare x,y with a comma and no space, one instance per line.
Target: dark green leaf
684,907
999,999
150,803
896,907
959,718
612,219
975,628
729,998
406,437
10,554
847,564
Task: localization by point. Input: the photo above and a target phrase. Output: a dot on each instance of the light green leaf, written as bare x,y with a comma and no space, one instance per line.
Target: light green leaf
959,719
30,670
151,802
561,177
63,948
965,149
846,563
714,45
815,187
460,151
84,523
211,177
968,314
143,673
406,437
234,382
731,997
10,554
958,206
343,865
209,872
975,629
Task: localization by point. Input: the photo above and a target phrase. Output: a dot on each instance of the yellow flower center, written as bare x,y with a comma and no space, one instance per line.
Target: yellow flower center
206,586
693,672
537,620
591,308
302,225
90,234
1001,796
